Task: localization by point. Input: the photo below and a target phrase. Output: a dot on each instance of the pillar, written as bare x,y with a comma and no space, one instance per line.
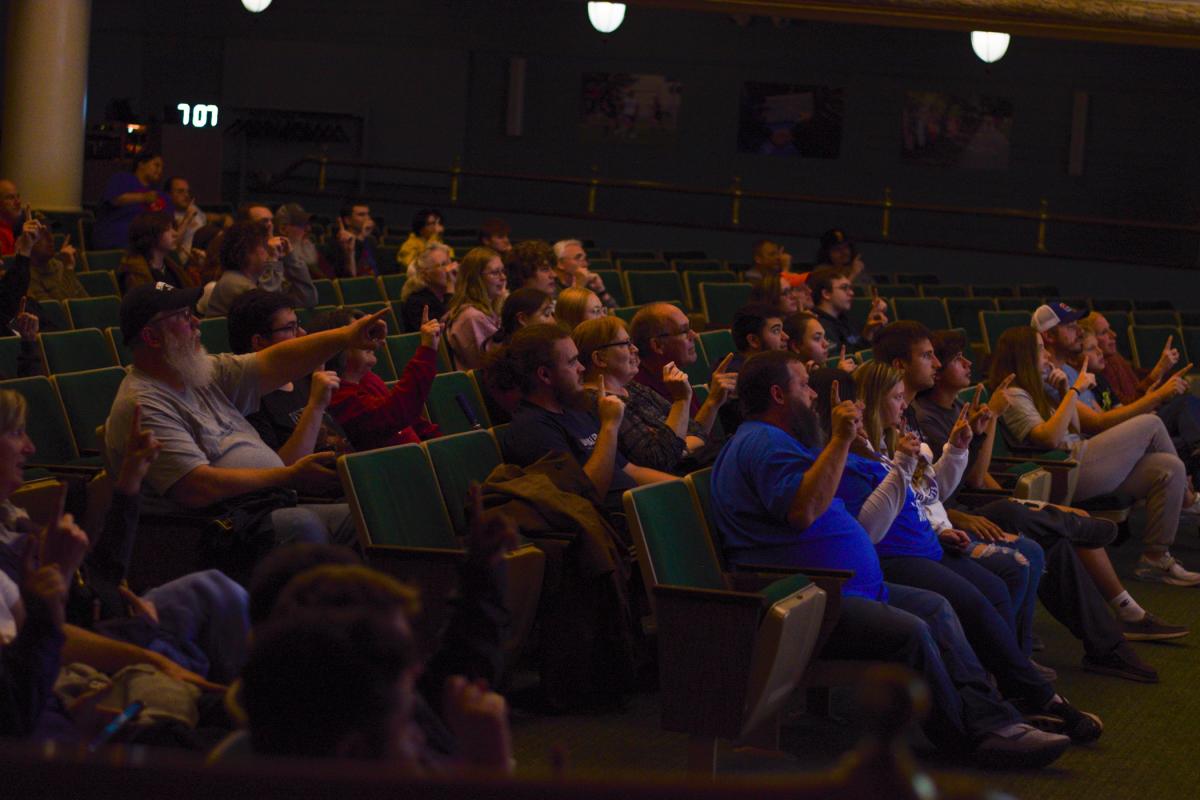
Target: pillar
45,90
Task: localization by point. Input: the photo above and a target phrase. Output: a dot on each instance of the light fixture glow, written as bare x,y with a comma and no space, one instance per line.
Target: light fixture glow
990,46
255,6
606,17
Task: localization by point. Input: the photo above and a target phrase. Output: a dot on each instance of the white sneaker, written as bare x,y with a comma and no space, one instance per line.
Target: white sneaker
1165,570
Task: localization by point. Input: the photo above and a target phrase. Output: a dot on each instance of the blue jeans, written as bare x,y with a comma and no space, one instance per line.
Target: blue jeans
317,523
982,603
209,611
1022,579
919,629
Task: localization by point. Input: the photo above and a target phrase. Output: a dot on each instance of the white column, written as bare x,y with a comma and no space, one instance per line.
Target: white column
45,88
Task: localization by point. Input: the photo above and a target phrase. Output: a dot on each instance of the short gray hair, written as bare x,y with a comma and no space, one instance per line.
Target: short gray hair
560,247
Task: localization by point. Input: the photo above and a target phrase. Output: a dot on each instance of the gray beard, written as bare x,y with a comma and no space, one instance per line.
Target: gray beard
194,367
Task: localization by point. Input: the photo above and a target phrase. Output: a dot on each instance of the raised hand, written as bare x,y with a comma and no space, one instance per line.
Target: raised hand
845,363
1169,357
367,333
324,384
961,434
63,545
908,445
141,449
723,384
1173,386
345,238
431,329
609,407
845,416
314,474
979,415
66,253
676,381
25,324
279,247
31,231
1085,381
999,400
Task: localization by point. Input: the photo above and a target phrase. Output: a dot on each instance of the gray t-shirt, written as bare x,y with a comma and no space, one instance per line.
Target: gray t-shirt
1022,417
197,427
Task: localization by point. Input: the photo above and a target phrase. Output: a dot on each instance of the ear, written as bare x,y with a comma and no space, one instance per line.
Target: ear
258,342
777,394
754,341
149,337
900,364
543,375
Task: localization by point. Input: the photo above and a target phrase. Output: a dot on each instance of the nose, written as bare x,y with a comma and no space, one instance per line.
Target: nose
27,446
783,337
633,349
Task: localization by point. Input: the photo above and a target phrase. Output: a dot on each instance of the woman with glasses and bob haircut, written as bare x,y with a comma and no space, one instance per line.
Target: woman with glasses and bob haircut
473,316
650,435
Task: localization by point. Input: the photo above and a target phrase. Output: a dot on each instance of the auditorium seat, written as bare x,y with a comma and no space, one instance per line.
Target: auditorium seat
94,312
327,292
693,278
653,287
49,429
401,347
443,404
719,301
355,291
945,290
53,316
700,264
393,286
614,285
1154,317
994,323
73,351
214,333
964,313
717,344
889,290
459,460
94,260
86,398
929,311
117,341
99,283
1148,341
642,265
10,350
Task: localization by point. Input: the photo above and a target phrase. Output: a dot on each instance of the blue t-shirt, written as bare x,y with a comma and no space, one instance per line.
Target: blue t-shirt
910,535
1072,374
754,480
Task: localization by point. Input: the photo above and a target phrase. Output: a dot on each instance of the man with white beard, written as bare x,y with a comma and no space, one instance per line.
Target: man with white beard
195,404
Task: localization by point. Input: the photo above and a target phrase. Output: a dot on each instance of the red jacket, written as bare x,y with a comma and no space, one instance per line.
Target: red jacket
374,416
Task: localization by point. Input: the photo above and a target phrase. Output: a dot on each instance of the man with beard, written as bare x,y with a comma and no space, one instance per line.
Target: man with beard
773,496
543,362
195,404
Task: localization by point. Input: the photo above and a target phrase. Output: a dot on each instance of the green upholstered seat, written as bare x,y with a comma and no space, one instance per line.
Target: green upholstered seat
396,499
87,397
53,316
124,354
443,406
363,289
719,301
964,313
654,287
98,284
679,554
46,424
693,278
74,351
402,346
102,259
393,285
929,311
457,461
717,345
699,370
214,333
1148,342
10,349
327,293
994,323
95,312
613,284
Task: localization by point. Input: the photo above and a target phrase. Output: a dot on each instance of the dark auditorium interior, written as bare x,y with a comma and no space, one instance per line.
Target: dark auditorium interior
552,398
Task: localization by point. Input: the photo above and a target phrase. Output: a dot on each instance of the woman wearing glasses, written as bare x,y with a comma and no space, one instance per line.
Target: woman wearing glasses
474,313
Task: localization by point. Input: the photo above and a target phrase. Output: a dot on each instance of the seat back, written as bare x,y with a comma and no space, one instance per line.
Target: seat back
459,460
117,342
327,293
994,323
693,278
653,287
402,346
1149,340
87,397
614,285
395,498
444,407
10,350
698,371
719,302
53,316
700,484
964,313
393,285
641,264
75,351
46,423
102,259
95,312
98,284
360,290
929,311
214,333
717,345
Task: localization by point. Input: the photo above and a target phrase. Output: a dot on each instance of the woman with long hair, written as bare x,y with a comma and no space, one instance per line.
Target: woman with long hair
1135,457
575,305
777,293
149,256
473,316
523,307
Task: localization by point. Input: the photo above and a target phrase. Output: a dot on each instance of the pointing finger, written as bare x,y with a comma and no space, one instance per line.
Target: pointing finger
835,394
724,362
424,315
21,307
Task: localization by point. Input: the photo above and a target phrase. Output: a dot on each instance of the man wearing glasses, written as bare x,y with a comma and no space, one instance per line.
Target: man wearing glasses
187,215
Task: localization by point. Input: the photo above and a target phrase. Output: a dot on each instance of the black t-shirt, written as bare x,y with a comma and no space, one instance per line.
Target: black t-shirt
279,412
839,331
534,432
410,312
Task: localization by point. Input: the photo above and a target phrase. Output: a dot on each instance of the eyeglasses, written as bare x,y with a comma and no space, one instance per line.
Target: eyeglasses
185,312
626,343
493,273
292,327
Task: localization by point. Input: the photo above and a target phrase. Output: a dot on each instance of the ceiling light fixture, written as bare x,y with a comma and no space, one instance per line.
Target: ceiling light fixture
606,17
990,46
256,6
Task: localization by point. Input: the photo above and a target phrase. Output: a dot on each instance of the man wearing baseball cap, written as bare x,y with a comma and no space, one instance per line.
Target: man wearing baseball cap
195,404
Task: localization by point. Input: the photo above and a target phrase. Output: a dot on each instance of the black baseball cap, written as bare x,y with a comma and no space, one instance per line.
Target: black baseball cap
143,303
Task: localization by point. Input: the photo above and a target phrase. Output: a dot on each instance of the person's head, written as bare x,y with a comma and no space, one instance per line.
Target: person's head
772,386
481,281
806,336
159,324
1090,350
332,684
434,269
541,361
952,351
575,305
258,213
768,257
1058,324
757,328
353,362
531,263
662,333
831,290
773,291
569,258
1106,337
180,192
428,224
292,221
356,216
258,319
1019,352
605,349
277,568
152,233
148,167
244,248
15,444
880,387
836,249
907,346
494,233
802,294
524,307
10,201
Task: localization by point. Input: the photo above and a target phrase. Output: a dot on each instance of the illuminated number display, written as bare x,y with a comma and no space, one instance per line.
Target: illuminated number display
200,115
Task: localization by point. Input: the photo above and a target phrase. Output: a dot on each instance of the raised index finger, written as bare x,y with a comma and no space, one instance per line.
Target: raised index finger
425,314
978,392
1167,346
21,307
1004,383
135,424
1186,369
724,362
835,394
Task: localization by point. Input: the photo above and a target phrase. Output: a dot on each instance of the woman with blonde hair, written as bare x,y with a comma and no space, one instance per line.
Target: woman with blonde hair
431,278
576,305
473,316
650,436
918,547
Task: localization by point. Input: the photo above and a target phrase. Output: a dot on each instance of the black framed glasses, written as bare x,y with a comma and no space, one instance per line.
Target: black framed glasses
292,328
627,343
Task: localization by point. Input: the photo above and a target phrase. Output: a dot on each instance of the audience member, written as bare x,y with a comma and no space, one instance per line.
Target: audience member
756,329
29,354
427,227
294,223
351,252
773,291
839,252
430,285
285,271
16,280
773,499
12,216
372,414
531,264
571,270
523,307
291,420
494,233
474,313
193,403
833,293
126,195
246,253
52,274
576,305
149,257
1135,457
806,338
185,214
769,258
543,362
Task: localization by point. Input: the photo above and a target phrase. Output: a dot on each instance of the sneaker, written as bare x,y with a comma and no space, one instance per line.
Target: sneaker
1020,745
1121,663
1046,673
1151,629
1165,570
1059,716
